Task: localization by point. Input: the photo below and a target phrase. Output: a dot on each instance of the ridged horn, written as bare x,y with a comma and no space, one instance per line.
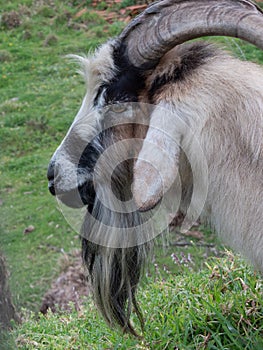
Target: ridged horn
168,23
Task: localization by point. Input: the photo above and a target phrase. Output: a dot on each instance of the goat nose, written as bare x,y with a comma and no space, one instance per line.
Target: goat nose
51,176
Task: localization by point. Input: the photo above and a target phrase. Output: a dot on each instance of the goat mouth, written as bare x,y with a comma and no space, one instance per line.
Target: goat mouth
77,197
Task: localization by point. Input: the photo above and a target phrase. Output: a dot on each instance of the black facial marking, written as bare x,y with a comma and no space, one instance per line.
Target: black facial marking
86,164
100,90
91,154
127,83
124,88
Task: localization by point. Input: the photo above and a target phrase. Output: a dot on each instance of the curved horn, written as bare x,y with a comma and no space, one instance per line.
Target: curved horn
168,23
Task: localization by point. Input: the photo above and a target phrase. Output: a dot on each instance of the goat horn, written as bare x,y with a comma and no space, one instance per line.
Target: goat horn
168,23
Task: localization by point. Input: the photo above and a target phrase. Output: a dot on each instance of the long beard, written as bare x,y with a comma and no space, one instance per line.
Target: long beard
112,249
114,275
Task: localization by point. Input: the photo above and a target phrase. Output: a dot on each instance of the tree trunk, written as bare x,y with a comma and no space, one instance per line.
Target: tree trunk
7,309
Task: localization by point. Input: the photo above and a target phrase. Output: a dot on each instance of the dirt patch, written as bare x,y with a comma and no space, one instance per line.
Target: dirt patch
110,13
69,290
11,20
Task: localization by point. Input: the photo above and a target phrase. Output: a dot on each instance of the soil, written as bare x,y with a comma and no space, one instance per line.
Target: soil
69,290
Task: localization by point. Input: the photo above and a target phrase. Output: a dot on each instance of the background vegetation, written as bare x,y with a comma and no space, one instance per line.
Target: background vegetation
190,300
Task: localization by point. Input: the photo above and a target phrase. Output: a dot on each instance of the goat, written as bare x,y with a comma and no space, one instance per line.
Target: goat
165,125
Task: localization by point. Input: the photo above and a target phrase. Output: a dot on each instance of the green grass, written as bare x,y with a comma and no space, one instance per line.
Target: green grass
40,94
219,307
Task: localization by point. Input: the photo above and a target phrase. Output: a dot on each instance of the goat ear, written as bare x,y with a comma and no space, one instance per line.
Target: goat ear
157,165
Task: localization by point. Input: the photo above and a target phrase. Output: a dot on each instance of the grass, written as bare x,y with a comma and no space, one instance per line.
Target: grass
191,311
39,96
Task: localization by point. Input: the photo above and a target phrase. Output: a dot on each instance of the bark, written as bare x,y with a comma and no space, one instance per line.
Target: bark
7,309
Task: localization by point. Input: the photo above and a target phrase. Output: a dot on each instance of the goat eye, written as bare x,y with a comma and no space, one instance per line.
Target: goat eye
118,107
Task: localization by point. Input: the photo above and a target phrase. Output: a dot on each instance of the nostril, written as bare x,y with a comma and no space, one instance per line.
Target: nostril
51,187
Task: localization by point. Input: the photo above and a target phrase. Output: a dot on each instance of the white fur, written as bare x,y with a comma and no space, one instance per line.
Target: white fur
95,69
222,101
